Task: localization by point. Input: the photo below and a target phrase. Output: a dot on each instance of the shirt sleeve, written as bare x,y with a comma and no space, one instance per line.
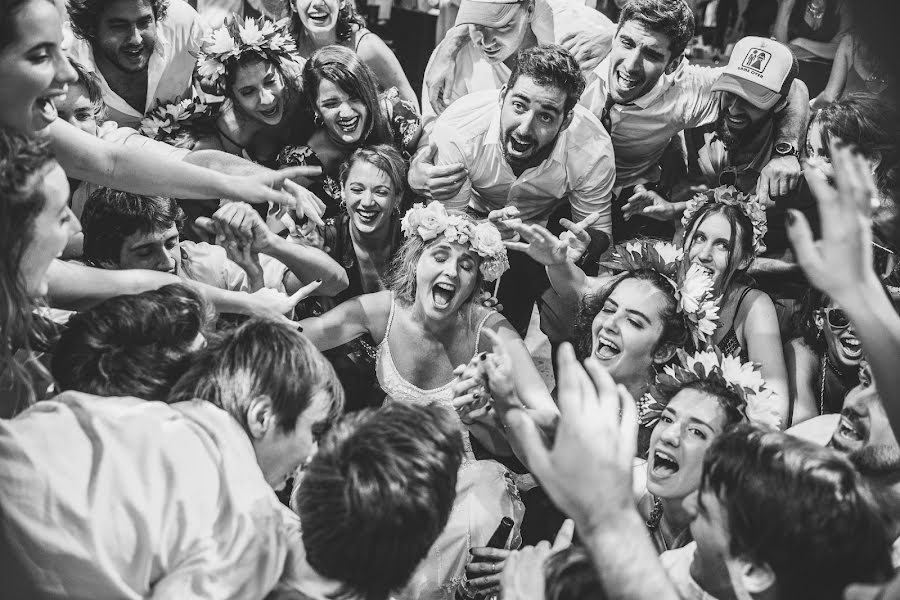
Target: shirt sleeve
593,193
701,103
555,19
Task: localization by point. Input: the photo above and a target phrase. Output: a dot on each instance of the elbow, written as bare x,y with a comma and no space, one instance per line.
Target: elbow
334,284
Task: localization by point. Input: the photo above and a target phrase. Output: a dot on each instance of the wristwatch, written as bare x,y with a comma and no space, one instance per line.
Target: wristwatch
786,149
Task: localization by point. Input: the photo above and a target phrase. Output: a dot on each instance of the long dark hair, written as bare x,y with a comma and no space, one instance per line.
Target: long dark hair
345,69
741,239
348,21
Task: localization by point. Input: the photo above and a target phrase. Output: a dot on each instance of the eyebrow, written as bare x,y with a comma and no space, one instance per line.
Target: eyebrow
638,313
548,107
692,419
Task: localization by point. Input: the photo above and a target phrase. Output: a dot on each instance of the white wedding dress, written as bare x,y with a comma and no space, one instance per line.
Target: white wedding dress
485,491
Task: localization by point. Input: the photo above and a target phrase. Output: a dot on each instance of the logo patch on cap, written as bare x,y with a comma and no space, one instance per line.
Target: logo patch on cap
756,61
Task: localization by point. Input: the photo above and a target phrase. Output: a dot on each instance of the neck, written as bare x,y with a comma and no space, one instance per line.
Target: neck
676,518
442,328
320,39
375,242
638,385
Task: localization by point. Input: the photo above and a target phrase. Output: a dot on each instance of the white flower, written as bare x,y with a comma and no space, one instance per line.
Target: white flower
493,268
743,375
707,359
433,221
668,252
451,233
219,42
696,285
250,33
706,325
209,68
174,111
634,247
487,241
762,408
150,125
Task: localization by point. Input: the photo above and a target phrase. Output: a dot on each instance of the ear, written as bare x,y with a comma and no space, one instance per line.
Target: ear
819,320
530,10
745,262
664,354
875,161
260,417
673,64
567,120
756,578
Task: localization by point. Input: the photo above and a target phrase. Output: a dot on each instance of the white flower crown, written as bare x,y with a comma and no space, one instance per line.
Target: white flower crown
266,38
742,378
695,294
729,195
428,222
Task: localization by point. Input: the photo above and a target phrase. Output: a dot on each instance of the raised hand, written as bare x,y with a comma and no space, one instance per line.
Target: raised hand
504,219
778,178
541,245
588,48
277,304
470,398
435,182
267,187
841,262
522,577
306,204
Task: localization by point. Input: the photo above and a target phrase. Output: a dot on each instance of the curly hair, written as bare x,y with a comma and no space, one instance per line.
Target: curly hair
137,345
549,64
345,69
401,276
348,22
110,216
23,164
84,15
675,333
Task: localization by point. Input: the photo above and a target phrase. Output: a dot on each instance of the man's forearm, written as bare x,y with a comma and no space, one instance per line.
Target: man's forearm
627,564
790,123
309,264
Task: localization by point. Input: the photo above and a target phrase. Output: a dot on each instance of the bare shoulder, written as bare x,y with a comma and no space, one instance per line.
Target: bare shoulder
377,309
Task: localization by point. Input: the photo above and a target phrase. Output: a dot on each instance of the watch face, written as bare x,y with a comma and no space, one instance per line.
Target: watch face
784,148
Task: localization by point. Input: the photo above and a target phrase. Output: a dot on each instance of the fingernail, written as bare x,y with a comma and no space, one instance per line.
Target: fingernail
482,356
318,281
299,328
790,217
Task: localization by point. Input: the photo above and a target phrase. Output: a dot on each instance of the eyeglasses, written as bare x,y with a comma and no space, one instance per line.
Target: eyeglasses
836,317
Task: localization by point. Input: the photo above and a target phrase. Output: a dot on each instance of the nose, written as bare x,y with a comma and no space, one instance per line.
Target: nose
704,253
74,224
367,198
135,37
632,61
65,72
611,324
478,35
671,435
346,110
164,261
865,372
690,504
266,96
525,122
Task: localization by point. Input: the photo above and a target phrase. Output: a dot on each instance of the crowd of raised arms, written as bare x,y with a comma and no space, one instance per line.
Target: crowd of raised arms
604,303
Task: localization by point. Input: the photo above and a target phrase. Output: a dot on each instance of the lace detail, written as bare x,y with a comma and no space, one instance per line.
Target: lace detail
399,389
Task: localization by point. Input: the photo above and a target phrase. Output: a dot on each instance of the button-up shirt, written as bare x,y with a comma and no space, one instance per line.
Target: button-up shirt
580,169
714,158
642,130
123,498
678,567
169,71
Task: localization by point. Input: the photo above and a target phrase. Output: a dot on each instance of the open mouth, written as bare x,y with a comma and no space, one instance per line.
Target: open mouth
271,112
625,82
518,146
348,125
133,53
851,346
366,215
46,108
319,18
606,349
442,294
664,464
707,270
738,121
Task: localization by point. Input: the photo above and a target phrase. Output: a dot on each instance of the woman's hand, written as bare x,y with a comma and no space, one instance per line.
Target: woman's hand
547,249
277,304
265,187
840,264
522,577
470,398
484,572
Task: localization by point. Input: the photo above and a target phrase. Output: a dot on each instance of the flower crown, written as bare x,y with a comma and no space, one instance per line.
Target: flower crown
268,39
729,195
743,378
165,120
428,222
695,294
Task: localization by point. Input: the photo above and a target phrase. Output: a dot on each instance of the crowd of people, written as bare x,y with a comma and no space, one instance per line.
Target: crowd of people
270,313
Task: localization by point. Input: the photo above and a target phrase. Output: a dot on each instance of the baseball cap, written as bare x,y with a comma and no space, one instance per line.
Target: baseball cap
757,70
487,13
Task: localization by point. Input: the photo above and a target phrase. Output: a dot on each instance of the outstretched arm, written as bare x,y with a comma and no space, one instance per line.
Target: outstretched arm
782,174
384,64
764,346
364,314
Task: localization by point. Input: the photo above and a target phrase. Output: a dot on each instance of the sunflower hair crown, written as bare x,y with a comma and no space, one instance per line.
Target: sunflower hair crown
758,402
433,220
268,39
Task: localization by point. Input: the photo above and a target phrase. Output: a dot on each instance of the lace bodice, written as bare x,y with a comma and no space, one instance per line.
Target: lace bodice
398,389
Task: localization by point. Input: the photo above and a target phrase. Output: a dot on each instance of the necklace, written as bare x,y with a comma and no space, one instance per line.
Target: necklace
826,364
656,514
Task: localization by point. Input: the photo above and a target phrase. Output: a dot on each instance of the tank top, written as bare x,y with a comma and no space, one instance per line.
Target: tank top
730,345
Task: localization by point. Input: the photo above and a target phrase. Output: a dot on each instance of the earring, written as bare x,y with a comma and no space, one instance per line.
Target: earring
317,119
342,205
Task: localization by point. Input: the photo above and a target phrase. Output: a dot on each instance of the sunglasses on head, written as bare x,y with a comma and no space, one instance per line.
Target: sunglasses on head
836,317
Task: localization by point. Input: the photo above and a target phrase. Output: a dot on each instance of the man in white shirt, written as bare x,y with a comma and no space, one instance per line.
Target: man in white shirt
495,32
645,94
143,51
782,518
532,148
124,498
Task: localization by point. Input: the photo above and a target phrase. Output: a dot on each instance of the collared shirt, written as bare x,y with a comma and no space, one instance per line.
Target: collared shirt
169,71
552,21
580,169
678,567
642,130
123,498
209,264
714,158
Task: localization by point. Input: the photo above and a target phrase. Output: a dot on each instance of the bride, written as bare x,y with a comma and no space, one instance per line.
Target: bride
426,324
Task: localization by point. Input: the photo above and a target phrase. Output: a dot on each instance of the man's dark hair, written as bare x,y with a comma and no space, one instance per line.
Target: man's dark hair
570,575
800,508
137,345
110,216
549,64
85,14
673,18
262,357
377,494
91,84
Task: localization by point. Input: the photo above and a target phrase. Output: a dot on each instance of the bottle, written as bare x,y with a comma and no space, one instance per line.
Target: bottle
497,540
